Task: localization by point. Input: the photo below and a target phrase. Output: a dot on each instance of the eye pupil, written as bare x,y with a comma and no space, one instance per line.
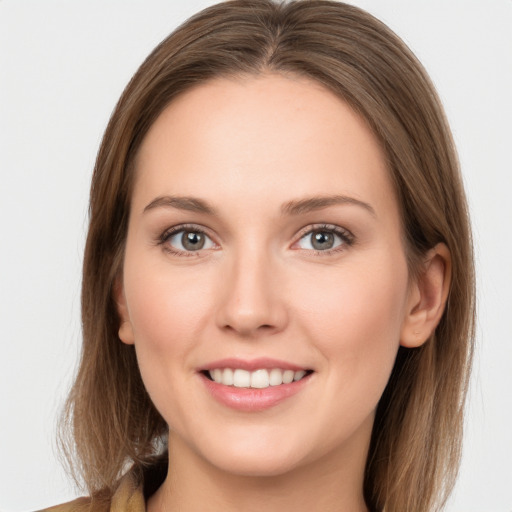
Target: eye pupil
322,240
192,240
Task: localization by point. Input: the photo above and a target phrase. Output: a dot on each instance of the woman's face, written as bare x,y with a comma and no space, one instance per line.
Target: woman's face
264,244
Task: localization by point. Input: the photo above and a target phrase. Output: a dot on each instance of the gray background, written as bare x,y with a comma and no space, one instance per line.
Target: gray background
62,68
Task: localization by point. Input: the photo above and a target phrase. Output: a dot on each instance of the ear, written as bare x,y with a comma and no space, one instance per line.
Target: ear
427,297
125,329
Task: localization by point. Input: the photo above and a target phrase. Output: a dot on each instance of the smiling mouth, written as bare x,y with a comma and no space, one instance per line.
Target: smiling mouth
257,379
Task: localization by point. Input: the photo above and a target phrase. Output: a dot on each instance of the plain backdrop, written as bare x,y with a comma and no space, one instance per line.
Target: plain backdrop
63,66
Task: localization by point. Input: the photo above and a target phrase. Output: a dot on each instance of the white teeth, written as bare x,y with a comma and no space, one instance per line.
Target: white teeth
241,378
288,376
227,377
298,375
258,379
276,377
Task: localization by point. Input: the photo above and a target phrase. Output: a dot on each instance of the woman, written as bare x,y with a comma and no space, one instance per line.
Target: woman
278,281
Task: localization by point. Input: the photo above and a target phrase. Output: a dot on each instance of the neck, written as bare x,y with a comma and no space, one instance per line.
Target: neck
333,483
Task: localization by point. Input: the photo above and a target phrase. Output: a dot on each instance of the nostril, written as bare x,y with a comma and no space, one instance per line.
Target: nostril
249,330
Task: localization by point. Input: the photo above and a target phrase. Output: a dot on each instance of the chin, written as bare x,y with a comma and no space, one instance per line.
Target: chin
256,465
254,454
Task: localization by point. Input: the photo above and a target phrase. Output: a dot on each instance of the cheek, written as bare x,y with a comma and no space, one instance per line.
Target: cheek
165,308
167,311
355,314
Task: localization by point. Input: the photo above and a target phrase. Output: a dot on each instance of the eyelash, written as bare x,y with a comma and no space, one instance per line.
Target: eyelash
346,236
169,233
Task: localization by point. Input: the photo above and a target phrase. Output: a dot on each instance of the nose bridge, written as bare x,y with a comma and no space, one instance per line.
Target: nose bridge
251,300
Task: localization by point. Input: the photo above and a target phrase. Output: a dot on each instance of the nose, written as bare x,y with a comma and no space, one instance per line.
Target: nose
252,302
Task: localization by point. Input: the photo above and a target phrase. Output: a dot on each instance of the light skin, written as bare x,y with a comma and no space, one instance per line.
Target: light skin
303,261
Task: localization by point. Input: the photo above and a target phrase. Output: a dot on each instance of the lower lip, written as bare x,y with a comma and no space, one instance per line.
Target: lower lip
252,399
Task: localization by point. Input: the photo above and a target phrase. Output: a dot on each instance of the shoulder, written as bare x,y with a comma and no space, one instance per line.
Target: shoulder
78,505
128,497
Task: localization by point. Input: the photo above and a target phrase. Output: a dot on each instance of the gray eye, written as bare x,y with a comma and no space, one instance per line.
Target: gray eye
192,240
188,240
322,240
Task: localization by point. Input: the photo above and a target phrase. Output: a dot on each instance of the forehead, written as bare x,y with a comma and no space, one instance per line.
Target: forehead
265,137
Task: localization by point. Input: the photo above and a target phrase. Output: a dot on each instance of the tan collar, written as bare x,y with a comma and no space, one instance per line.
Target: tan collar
128,497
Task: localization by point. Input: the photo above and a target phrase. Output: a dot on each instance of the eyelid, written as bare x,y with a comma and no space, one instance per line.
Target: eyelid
164,237
346,236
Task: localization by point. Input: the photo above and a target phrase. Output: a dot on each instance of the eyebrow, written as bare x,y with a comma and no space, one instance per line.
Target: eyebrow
311,204
295,207
190,204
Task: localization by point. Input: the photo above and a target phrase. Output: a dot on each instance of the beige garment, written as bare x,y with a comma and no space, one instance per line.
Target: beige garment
129,497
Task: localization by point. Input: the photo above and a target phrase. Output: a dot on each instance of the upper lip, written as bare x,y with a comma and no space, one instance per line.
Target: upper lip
252,364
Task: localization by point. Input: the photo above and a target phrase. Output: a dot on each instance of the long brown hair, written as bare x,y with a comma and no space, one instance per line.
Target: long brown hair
415,446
